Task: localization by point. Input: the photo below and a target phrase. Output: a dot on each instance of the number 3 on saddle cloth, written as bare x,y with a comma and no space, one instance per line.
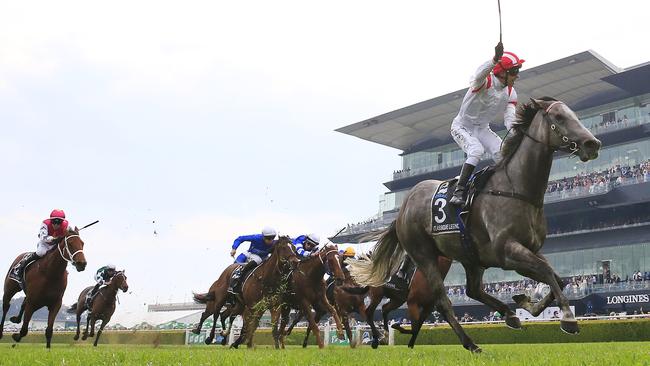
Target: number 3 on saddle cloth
449,219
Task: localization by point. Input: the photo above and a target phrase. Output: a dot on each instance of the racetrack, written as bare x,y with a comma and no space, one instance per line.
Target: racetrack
619,353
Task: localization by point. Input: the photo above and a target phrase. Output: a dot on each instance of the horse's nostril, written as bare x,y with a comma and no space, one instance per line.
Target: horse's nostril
592,144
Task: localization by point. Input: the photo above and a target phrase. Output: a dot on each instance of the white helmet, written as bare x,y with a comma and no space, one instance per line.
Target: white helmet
269,231
314,237
110,266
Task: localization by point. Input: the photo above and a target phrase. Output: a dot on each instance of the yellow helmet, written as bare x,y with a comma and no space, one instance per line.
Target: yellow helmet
349,252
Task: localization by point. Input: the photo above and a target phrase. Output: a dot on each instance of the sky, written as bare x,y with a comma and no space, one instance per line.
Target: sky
182,125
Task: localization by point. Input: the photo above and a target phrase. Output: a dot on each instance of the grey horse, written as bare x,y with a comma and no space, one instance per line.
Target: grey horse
506,222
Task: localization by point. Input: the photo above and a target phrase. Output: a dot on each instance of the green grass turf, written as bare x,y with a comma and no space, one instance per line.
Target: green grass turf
619,353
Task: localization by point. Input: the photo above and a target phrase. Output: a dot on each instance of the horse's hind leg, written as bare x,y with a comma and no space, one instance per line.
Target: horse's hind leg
89,317
18,318
417,324
529,264
370,316
210,337
10,289
204,316
387,308
475,290
29,310
78,314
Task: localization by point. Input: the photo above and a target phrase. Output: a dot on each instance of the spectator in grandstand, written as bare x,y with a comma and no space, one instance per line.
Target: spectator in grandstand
490,93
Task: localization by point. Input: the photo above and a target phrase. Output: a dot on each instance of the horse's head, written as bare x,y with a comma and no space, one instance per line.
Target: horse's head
71,249
119,281
567,133
286,252
329,256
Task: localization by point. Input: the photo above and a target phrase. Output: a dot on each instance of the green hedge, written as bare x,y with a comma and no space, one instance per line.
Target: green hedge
108,337
542,332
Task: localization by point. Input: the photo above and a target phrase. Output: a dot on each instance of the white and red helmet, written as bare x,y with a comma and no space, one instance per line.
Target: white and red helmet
508,61
57,214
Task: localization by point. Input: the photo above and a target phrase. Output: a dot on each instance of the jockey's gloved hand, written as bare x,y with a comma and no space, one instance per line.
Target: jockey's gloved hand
49,239
233,252
498,52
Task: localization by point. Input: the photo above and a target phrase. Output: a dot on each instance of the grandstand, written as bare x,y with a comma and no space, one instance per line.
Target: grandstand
598,212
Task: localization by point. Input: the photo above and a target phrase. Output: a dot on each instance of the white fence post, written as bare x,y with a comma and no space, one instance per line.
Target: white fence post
326,334
391,336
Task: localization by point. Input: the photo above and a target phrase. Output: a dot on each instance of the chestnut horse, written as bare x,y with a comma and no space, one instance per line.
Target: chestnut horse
214,300
343,301
309,291
102,306
45,282
263,288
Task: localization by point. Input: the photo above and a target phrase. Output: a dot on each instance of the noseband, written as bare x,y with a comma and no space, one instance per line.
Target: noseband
568,144
67,249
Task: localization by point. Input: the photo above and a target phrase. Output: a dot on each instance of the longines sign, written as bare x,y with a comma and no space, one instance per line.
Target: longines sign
628,299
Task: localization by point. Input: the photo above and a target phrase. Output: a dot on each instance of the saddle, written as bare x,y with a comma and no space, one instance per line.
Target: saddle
90,297
20,278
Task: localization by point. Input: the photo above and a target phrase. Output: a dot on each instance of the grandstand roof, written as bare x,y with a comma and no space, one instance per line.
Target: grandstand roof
582,81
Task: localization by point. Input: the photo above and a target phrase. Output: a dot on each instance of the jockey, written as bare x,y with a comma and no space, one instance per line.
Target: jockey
102,277
259,249
51,229
491,92
306,244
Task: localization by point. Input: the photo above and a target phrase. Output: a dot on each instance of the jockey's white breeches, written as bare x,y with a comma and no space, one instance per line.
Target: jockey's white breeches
253,257
475,141
42,248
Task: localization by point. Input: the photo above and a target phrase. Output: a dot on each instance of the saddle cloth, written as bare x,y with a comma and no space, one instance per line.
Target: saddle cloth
444,216
20,279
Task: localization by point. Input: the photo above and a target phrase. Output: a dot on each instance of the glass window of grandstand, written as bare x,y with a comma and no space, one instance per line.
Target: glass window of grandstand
622,114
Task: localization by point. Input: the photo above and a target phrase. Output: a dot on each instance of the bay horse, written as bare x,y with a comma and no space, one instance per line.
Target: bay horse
344,302
418,293
309,291
45,282
214,300
102,306
264,287
506,223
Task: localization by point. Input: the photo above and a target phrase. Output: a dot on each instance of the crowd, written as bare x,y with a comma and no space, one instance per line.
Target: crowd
597,182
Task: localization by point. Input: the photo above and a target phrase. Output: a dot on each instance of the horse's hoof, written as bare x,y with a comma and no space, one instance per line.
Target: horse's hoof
476,349
15,319
196,331
208,340
396,325
235,346
569,326
374,344
16,337
304,345
224,340
513,322
76,337
521,299
84,337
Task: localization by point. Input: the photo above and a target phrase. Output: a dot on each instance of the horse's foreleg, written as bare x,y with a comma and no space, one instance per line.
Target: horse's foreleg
6,304
387,308
17,318
78,315
536,267
295,321
427,263
324,304
416,324
29,310
348,331
99,331
370,316
306,308
51,316
474,276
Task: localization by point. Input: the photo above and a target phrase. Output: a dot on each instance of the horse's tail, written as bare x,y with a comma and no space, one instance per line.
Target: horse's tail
386,258
203,298
72,309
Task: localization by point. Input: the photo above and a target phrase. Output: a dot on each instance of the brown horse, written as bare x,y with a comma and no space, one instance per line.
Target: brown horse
506,222
343,301
396,298
309,291
45,282
214,300
264,287
102,306
420,301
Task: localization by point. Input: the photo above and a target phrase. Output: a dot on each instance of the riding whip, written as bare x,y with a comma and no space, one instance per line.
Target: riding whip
91,224
500,32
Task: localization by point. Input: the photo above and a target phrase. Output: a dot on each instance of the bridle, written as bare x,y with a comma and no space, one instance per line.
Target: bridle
67,249
322,254
568,145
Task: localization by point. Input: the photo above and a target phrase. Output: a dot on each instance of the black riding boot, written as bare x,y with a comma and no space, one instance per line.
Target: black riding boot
461,187
90,295
400,279
237,281
20,269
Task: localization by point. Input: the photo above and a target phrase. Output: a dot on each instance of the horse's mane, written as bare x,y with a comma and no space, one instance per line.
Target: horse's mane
525,114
